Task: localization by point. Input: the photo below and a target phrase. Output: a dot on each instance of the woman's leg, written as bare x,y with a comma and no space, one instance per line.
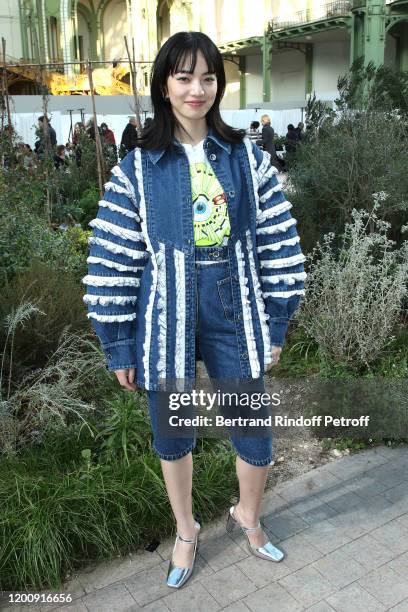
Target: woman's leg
178,477
252,479
177,467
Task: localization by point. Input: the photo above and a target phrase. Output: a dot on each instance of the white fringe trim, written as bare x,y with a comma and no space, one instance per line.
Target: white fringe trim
111,318
252,165
278,245
275,229
119,209
264,165
121,176
263,198
110,186
103,300
247,314
284,262
113,264
116,230
289,279
284,294
162,307
260,304
153,288
111,281
268,174
118,249
273,211
180,349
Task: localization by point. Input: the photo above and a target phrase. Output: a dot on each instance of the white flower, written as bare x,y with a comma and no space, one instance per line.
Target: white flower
380,196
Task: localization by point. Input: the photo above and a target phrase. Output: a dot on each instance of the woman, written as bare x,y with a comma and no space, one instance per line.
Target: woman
194,247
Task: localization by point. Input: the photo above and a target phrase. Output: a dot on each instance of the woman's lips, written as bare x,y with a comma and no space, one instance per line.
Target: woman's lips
195,104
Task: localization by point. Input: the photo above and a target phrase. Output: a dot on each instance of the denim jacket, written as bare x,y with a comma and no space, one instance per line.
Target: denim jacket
141,292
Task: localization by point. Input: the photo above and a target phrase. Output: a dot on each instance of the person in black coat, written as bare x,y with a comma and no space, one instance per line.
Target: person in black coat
292,140
129,137
268,137
47,138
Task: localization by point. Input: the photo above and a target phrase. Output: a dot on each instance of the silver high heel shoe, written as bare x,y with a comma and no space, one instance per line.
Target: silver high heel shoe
178,576
268,551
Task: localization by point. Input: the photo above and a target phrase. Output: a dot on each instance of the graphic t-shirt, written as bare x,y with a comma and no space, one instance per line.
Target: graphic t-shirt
211,220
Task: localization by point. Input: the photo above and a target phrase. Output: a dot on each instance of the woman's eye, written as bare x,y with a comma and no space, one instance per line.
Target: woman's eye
182,78
210,79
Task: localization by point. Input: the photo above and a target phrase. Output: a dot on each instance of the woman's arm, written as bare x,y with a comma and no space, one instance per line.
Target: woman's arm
116,261
278,246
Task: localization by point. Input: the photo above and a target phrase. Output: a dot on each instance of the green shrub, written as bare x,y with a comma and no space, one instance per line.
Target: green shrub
355,296
61,510
25,237
343,167
59,296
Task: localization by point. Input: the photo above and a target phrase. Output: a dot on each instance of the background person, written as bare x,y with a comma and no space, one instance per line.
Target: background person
129,137
268,137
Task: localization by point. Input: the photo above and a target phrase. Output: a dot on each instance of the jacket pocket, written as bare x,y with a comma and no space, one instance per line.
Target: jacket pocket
225,294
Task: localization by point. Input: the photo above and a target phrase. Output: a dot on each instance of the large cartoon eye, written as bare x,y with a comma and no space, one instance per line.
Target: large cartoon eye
202,208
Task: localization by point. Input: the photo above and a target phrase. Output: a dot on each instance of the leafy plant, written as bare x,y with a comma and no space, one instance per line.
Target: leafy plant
355,293
125,430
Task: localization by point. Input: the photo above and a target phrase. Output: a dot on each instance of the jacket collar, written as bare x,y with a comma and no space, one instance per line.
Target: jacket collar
156,154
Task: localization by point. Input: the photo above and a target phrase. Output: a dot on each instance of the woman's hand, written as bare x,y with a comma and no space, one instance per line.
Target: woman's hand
126,378
275,354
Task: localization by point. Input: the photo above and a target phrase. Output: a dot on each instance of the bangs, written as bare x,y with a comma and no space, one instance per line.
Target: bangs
182,58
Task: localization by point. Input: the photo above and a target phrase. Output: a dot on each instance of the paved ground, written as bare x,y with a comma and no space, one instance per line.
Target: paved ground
343,526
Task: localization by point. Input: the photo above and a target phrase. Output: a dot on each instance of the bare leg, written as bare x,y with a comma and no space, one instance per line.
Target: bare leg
178,477
252,479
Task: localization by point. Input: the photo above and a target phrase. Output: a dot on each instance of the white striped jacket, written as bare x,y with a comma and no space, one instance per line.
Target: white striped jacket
141,261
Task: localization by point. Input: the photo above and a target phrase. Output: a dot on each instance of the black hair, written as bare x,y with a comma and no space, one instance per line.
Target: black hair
170,58
254,125
104,125
291,127
47,119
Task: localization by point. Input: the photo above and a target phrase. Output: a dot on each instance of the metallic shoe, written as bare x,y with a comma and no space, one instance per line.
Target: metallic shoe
268,551
178,576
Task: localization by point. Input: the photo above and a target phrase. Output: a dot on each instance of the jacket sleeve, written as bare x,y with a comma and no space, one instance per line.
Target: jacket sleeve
278,245
116,261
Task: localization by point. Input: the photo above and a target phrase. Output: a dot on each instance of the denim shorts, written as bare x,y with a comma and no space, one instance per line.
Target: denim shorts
216,340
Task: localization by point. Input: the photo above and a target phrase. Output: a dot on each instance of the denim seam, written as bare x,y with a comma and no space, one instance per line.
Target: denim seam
174,456
257,462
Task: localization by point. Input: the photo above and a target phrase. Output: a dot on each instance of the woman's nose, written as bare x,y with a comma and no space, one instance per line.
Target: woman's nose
197,89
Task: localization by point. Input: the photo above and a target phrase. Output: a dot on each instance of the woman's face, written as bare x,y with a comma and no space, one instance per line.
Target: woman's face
192,95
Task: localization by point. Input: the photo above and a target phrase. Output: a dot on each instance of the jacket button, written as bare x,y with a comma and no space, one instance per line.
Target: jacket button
239,317
231,194
109,356
236,277
213,157
244,355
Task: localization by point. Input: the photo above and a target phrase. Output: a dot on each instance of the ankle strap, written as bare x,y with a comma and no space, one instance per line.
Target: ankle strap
183,540
251,528
232,512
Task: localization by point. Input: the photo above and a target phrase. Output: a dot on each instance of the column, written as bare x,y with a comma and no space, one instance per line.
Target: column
242,81
374,32
309,69
356,37
266,68
66,31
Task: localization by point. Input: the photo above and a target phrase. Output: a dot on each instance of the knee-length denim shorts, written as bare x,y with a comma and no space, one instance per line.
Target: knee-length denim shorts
217,343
